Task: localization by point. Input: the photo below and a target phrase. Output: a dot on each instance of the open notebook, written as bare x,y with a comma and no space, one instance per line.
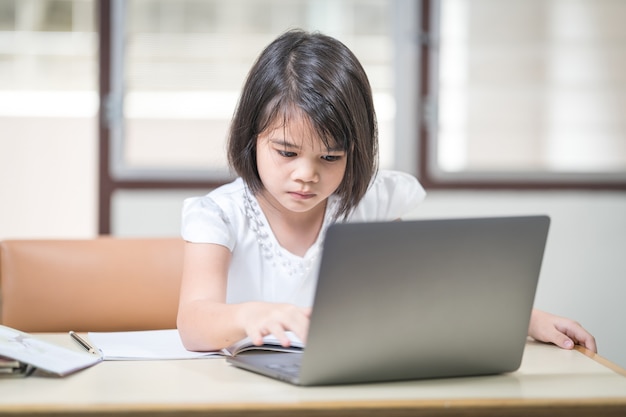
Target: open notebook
166,344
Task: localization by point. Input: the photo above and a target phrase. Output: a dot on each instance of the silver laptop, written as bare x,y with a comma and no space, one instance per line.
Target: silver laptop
417,299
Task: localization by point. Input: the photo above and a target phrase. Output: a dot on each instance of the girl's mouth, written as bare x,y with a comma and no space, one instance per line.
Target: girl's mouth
302,195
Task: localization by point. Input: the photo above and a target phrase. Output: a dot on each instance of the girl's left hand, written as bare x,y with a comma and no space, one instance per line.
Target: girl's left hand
561,331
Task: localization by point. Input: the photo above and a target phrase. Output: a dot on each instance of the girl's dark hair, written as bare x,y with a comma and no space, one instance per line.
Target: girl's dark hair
320,78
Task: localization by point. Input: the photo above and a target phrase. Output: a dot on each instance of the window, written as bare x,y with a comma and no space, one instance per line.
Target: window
183,64
175,71
525,92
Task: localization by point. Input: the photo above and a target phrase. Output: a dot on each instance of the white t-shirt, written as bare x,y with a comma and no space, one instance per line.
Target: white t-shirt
261,269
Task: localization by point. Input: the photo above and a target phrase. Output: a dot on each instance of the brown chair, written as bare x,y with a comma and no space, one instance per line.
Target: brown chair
102,284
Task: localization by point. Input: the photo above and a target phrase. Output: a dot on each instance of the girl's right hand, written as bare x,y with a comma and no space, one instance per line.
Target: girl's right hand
260,319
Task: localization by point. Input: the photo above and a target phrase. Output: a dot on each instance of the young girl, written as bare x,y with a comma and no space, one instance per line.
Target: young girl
303,141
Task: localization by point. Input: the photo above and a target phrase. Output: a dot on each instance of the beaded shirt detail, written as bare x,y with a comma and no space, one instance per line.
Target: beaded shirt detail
291,265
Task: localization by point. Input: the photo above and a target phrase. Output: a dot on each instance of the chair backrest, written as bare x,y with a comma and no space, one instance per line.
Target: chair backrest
102,284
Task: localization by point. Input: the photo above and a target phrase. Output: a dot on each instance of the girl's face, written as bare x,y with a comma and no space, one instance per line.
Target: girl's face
297,170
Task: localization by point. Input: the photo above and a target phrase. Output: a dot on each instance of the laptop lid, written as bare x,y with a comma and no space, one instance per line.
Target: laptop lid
418,299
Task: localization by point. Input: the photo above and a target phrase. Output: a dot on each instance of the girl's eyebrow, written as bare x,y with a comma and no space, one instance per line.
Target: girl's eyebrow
284,143
336,149
289,145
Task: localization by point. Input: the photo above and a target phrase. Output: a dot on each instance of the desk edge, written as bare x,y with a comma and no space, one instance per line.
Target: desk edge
601,360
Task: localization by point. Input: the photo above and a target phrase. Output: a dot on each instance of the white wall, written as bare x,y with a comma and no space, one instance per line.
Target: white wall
48,177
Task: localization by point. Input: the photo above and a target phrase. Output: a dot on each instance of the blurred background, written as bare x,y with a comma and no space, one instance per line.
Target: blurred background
113,111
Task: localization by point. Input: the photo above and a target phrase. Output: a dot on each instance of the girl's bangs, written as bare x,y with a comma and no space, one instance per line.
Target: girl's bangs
279,114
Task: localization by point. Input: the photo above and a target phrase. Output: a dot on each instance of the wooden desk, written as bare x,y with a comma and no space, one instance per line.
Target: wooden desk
550,381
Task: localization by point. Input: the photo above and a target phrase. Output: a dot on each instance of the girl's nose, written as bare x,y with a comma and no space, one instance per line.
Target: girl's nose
306,171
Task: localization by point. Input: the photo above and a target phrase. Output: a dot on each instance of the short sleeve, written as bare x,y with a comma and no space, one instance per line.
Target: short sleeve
391,195
204,221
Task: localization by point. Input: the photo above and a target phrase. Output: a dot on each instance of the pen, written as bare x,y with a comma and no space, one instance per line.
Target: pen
83,343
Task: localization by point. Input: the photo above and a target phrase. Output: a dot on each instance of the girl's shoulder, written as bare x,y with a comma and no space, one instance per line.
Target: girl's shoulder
387,180
225,198
391,195
229,194
216,212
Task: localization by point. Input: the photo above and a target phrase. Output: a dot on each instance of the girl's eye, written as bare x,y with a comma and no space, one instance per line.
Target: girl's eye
331,158
286,154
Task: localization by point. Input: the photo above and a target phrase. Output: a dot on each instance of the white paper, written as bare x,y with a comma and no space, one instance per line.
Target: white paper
144,345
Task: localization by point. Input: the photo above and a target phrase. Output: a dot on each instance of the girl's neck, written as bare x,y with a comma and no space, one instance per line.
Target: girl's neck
294,231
